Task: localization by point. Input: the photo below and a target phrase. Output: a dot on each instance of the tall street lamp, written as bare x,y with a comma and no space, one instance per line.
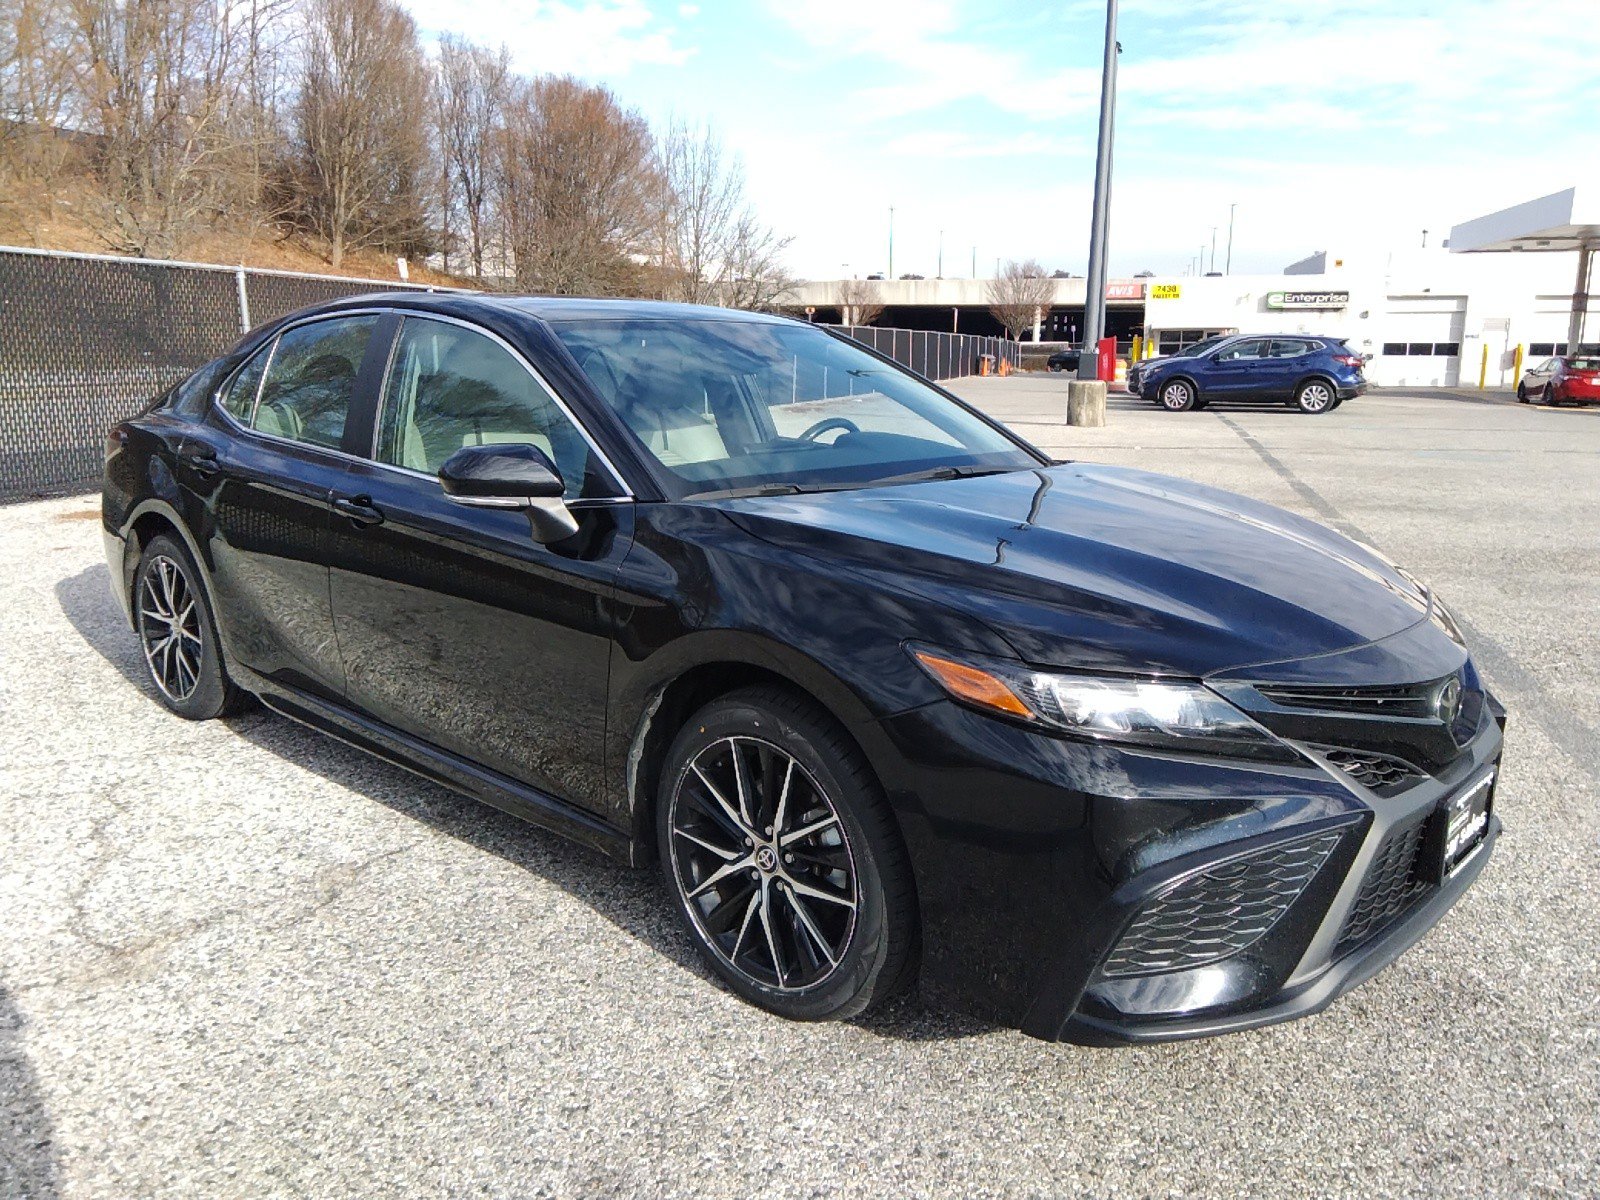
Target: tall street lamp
891,241
1228,270
1094,308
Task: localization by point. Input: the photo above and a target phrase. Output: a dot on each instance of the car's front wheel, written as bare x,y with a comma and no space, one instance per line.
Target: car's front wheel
178,633
1177,395
1315,396
1522,394
782,858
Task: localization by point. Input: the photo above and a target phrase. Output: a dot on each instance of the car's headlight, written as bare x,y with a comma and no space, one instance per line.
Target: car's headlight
1174,714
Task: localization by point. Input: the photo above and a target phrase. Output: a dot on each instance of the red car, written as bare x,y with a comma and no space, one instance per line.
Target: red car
1574,377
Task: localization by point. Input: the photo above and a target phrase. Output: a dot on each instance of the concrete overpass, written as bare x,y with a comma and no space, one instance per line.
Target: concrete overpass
962,306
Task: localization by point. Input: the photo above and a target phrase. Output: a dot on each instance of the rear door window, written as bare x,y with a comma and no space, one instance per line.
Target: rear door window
311,379
1289,348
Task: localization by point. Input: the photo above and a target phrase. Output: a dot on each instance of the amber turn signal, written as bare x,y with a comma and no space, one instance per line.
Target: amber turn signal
973,686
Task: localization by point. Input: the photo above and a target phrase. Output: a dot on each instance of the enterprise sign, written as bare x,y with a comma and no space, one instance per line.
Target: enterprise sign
1283,300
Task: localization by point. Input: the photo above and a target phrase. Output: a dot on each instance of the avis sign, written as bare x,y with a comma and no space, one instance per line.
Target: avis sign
1279,301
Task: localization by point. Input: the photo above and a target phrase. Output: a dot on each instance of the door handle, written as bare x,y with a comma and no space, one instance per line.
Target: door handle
201,459
358,510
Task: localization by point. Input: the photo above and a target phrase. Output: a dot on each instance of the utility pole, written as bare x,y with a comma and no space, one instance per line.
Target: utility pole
1094,309
1228,270
891,242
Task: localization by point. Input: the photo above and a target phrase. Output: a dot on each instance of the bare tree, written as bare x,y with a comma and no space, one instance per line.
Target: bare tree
361,128
35,89
470,97
579,188
756,277
1020,295
155,81
859,302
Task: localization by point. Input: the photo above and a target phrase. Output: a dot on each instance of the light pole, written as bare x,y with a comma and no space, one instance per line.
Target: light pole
940,274
974,262
891,241
1094,308
1228,269
1213,247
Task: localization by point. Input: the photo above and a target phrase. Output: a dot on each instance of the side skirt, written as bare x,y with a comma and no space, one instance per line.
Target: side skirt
442,767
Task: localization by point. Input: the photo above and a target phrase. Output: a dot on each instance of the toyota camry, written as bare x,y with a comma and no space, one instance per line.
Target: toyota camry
889,697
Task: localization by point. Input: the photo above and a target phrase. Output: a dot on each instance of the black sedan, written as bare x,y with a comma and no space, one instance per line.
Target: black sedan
889,695
1064,360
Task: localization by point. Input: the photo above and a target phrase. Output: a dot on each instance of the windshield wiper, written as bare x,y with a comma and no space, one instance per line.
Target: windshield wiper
760,489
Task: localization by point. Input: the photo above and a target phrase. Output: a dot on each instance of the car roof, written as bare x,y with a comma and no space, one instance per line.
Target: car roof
549,308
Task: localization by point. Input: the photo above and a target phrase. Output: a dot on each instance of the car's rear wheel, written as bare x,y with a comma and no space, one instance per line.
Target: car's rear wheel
1548,396
1315,396
178,634
782,858
1177,395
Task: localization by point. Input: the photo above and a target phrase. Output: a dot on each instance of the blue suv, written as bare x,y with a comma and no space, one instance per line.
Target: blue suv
1313,374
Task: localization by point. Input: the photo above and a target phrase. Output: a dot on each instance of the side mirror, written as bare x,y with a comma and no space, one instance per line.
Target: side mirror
511,475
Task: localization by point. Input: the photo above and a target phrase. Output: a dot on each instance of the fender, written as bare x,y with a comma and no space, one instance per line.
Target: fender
130,562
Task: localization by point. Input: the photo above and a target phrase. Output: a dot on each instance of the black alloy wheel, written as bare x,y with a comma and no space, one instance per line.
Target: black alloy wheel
178,635
1177,395
1522,394
782,858
1548,397
1315,396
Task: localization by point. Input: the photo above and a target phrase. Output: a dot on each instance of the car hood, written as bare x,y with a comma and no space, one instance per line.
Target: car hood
1105,568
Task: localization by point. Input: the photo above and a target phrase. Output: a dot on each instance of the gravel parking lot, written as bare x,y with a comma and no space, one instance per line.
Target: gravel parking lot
241,959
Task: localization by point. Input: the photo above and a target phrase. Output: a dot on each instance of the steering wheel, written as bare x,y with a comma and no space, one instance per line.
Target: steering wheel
827,423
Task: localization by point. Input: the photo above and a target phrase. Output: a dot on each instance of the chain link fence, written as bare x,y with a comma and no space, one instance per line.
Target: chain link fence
86,339
935,355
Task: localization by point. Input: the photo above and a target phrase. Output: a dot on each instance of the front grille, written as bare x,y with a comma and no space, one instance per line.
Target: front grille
1404,700
1382,773
1394,882
1219,911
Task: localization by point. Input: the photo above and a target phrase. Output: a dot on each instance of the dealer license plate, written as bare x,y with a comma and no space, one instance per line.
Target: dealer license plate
1465,817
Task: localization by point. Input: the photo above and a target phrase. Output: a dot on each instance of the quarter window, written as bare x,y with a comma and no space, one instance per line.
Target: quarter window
311,379
451,387
240,397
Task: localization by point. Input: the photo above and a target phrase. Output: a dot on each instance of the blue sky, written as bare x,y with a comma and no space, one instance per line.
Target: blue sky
1333,124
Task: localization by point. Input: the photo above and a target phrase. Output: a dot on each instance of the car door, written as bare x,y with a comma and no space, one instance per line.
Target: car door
1287,363
266,462
1238,369
455,625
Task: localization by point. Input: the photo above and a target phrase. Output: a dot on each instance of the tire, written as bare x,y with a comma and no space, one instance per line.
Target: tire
820,926
1316,396
1052,366
1522,394
1547,397
1176,395
178,634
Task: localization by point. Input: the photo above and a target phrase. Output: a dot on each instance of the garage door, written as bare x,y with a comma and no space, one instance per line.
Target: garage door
1421,344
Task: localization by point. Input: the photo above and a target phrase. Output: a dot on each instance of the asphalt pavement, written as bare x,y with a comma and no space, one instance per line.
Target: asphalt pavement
240,959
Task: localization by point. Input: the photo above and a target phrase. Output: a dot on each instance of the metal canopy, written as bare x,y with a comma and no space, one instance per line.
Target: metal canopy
1567,220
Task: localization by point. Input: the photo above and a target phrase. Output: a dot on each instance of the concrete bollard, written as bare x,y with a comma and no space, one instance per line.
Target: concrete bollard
1086,402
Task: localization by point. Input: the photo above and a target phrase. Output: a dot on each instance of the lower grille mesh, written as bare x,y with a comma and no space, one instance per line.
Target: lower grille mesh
1393,883
1219,911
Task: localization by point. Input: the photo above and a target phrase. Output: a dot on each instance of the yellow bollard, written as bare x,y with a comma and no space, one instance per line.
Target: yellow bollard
1138,345
1483,369
1516,366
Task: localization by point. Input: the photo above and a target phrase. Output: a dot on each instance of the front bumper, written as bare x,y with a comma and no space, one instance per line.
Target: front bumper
1036,856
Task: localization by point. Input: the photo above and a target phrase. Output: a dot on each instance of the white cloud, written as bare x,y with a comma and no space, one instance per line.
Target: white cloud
597,39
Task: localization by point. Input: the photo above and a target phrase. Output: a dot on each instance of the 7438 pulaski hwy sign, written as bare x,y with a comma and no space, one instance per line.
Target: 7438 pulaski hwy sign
1283,300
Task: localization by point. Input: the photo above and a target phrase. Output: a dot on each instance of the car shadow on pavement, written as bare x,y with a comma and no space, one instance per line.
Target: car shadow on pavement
27,1135
630,899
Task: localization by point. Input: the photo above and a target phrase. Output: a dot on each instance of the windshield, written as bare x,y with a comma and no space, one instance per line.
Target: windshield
745,406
